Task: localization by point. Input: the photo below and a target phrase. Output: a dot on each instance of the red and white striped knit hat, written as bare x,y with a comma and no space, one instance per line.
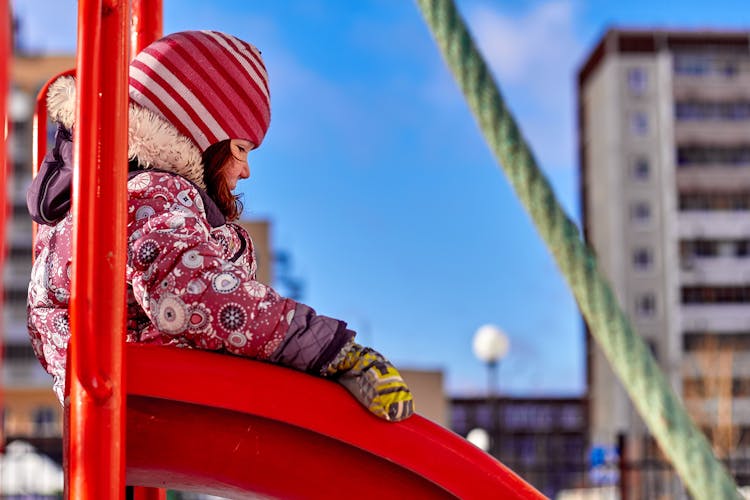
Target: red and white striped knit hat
211,86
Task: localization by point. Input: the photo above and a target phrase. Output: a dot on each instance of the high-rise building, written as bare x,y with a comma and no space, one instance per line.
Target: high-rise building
664,150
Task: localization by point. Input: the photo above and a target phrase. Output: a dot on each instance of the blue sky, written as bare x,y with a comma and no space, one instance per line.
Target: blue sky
378,182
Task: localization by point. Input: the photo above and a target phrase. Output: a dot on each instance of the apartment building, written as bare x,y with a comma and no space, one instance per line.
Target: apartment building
664,151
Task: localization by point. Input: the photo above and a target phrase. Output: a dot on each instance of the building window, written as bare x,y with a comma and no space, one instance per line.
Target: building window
645,305
715,295
713,155
639,123
640,212
637,81
729,68
709,341
45,421
728,201
19,352
571,417
642,259
641,169
712,110
690,64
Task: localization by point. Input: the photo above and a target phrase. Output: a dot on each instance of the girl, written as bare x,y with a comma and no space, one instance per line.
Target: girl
199,104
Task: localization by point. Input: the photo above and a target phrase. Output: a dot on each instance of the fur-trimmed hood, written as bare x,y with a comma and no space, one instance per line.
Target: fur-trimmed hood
152,141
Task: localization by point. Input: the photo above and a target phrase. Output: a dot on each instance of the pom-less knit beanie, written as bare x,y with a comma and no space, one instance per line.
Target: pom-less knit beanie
211,86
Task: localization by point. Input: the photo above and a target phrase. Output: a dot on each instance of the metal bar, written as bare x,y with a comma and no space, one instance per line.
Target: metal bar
5,57
145,27
143,493
97,309
146,24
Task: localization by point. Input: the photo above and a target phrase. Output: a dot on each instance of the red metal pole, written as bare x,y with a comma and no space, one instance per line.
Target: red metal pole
145,27
97,309
5,55
143,493
146,24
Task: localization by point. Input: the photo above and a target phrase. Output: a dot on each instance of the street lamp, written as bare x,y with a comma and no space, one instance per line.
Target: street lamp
479,438
490,345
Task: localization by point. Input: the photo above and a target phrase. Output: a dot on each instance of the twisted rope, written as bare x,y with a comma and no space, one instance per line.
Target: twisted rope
684,445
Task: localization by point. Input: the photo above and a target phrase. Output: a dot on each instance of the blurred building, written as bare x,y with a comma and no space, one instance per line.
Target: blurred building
543,440
31,410
664,149
429,394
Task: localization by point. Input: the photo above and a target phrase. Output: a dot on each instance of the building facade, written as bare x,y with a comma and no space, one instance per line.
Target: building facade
543,440
30,409
664,151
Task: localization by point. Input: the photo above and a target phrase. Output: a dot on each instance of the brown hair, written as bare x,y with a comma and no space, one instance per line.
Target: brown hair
215,161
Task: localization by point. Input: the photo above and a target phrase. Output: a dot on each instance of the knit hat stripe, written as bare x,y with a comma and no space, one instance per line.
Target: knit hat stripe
236,73
170,81
169,67
243,62
226,86
163,103
246,52
208,85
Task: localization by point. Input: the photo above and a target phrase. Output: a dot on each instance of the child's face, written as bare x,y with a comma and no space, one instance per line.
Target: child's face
238,167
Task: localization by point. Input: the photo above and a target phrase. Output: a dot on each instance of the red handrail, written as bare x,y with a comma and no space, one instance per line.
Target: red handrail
146,24
95,430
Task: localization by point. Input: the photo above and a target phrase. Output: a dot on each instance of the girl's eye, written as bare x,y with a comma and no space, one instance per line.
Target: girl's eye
241,148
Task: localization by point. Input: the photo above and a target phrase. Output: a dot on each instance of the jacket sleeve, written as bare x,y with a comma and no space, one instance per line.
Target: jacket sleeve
189,290
48,196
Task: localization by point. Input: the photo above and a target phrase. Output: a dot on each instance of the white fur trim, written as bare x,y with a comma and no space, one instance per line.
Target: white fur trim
61,101
155,142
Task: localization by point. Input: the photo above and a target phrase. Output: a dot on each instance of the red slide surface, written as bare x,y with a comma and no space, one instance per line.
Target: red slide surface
214,423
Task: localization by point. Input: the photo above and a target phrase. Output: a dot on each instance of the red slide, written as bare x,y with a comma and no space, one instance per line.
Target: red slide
214,423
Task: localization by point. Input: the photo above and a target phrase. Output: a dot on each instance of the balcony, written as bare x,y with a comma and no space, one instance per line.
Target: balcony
711,131
715,271
704,224
715,317
696,365
704,411
713,178
712,86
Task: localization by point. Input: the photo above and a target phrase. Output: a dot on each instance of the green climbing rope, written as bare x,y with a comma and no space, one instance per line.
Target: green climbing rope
686,447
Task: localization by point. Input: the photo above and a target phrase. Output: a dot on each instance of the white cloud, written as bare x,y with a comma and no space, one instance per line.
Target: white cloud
533,54
521,48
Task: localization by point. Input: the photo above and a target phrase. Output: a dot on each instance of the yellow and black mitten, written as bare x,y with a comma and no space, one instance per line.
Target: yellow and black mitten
373,380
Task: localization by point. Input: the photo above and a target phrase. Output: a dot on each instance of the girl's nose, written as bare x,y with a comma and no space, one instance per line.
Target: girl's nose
245,172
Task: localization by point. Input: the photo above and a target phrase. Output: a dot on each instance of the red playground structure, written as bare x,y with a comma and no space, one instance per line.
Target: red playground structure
165,418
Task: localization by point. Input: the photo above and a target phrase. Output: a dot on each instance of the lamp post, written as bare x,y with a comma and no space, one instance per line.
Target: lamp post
490,345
